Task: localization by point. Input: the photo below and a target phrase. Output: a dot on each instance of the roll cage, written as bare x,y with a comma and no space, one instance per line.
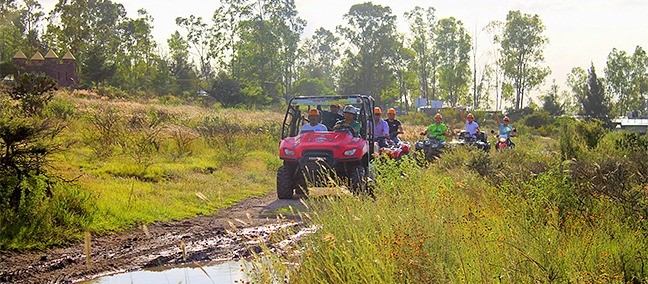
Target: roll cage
298,106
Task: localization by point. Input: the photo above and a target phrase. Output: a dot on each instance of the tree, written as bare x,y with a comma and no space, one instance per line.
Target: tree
91,30
320,53
521,49
595,103
453,47
627,79
550,102
422,26
227,91
371,34
23,139
200,38
577,81
181,69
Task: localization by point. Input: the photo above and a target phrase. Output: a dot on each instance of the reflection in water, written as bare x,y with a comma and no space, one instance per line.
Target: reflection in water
226,272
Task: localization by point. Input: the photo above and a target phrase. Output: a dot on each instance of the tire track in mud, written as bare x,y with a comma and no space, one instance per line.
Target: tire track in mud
223,236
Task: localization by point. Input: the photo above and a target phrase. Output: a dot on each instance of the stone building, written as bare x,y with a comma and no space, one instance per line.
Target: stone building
63,70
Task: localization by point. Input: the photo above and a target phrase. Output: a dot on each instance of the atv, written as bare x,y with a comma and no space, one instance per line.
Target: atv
464,138
429,148
504,143
316,158
393,150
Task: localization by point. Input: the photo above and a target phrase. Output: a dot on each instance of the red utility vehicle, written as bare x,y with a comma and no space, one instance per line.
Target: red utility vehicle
315,158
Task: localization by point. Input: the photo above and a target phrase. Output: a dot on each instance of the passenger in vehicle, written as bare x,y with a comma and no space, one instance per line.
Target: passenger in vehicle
350,121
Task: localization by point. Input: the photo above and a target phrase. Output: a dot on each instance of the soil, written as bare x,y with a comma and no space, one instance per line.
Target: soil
224,236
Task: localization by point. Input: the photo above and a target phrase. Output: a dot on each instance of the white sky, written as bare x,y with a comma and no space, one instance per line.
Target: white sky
579,31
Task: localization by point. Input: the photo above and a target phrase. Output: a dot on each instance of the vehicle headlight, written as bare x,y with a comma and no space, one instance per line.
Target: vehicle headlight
349,152
289,152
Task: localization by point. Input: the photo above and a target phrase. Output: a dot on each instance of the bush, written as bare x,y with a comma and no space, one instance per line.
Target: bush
591,131
538,119
33,92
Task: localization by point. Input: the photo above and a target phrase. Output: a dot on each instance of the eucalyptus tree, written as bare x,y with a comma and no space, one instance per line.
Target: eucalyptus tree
226,31
91,31
181,68
139,63
20,27
453,47
627,79
522,52
287,27
267,50
10,33
320,54
199,36
576,82
421,24
370,32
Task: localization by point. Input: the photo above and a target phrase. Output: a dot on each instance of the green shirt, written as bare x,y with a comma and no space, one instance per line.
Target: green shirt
354,124
437,131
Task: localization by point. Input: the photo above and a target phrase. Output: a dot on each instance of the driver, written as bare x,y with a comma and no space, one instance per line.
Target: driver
395,126
505,129
437,130
349,121
472,126
313,122
381,128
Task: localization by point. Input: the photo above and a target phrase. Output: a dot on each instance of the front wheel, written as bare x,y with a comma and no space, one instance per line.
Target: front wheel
285,182
358,178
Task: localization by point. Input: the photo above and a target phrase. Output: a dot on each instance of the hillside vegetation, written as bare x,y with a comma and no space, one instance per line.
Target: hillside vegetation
107,165
565,208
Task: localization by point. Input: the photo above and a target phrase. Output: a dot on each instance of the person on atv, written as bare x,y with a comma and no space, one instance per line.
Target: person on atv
349,121
505,129
329,118
437,130
381,129
313,122
395,126
472,127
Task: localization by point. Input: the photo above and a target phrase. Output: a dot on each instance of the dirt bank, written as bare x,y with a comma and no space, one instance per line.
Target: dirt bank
205,238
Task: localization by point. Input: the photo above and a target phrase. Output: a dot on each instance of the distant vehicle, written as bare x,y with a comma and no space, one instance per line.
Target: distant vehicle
312,157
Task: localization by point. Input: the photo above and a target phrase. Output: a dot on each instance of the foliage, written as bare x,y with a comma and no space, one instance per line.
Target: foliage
550,102
627,79
527,220
422,26
370,31
522,45
33,92
595,102
538,119
453,47
227,91
311,87
25,139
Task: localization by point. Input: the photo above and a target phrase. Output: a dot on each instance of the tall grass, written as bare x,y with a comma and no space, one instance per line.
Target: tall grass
129,164
525,219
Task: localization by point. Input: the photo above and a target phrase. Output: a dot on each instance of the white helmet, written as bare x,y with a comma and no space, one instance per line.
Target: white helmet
350,109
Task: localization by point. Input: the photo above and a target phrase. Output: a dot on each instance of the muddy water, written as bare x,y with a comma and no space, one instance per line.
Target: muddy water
224,272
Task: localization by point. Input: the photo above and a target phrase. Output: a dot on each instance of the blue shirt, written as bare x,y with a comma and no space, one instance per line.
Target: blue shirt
381,128
505,130
472,128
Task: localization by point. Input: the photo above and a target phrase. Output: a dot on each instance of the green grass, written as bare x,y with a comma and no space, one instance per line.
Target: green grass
526,220
120,188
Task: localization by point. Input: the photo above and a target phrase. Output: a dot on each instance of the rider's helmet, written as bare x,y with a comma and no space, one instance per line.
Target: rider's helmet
506,118
313,112
350,109
438,116
470,116
391,111
377,110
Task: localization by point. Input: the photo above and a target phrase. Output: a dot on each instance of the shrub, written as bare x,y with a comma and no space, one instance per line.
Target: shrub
591,131
33,92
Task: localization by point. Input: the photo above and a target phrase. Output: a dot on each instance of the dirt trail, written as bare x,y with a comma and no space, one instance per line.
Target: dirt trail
205,239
